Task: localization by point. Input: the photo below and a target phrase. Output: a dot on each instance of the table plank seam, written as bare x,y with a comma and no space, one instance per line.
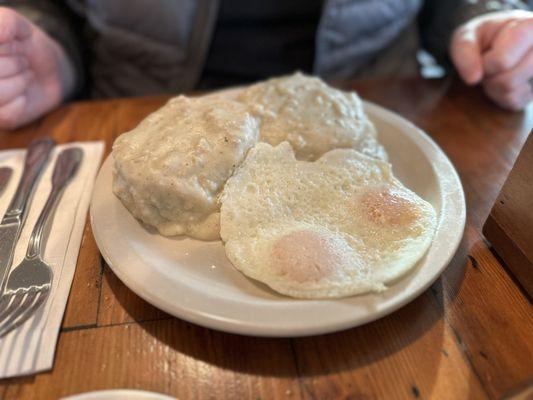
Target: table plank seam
458,340
77,328
303,391
101,284
464,352
140,322
96,326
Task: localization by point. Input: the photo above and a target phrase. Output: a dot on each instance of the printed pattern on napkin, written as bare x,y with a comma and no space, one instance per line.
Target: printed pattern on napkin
30,348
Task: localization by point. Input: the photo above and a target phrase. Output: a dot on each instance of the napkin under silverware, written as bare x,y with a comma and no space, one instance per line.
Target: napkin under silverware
5,176
30,348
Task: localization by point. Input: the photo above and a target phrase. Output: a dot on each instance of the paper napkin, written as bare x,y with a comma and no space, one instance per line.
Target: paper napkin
30,348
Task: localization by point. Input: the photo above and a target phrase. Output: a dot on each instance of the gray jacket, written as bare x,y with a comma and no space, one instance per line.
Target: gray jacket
159,46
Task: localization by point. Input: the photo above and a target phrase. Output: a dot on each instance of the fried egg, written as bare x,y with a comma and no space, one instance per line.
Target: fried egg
335,227
312,116
169,170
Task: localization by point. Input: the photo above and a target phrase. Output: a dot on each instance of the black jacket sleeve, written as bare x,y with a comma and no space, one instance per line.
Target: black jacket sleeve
56,20
438,19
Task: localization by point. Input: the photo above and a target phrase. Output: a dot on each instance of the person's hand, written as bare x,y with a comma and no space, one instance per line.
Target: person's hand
35,73
496,50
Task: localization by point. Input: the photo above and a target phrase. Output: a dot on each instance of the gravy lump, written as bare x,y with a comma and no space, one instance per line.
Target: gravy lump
170,169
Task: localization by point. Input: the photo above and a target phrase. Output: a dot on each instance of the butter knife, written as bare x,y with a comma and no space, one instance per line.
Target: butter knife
5,175
13,221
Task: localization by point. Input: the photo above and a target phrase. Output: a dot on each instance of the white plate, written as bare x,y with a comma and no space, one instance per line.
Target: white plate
194,281
119,394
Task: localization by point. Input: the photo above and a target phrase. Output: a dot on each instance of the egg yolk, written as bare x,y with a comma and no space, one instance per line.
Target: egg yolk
304,256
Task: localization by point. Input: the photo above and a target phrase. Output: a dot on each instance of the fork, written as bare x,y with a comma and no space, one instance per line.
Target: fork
29,284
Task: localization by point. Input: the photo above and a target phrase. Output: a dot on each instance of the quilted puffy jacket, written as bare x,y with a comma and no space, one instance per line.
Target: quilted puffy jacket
136,47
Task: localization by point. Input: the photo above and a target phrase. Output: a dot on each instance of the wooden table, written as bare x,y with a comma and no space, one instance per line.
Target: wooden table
469,336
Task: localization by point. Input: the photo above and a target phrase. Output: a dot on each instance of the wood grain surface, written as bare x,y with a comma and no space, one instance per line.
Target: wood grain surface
470,336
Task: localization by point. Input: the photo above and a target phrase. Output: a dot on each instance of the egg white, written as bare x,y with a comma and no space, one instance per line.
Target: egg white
339,226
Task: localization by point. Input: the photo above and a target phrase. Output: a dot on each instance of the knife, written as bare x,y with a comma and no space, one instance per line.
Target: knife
5,175
13,221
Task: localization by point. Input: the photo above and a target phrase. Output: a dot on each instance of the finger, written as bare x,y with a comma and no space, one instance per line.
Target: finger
514,101
12,113
486,30
6,49
487,26
14,86
510,45
466,55
515,78
469,42
13,25
12,48
10,66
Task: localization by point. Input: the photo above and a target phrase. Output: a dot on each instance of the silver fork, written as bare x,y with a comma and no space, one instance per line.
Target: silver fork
28,285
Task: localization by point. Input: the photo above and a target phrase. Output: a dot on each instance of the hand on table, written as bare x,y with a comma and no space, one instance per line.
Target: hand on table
35,73
496,50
